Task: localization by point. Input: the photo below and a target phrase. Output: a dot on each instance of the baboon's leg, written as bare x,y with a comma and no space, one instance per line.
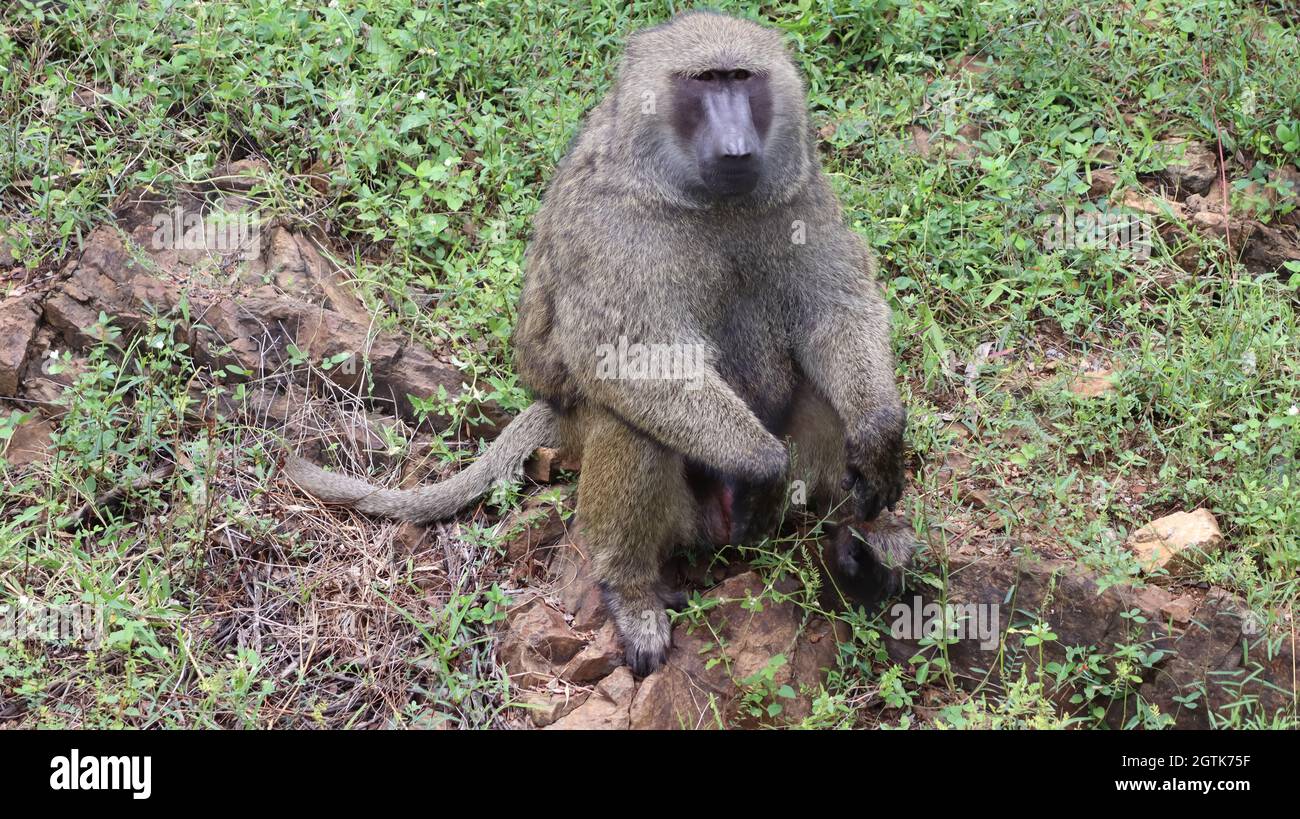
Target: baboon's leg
635,506
816,438
866,559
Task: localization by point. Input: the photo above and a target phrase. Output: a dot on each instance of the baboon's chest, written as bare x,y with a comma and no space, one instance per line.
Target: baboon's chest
749,324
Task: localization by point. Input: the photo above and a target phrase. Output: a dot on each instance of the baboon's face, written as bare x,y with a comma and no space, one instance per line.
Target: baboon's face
723,116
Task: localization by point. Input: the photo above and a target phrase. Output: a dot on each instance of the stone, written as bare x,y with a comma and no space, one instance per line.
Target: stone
1102,182
1225,665
1180,609
959,146
43,383
600,657
19,318
606,709
539,467
589,611
569,573
29,443
1093,384
1222,650
1176,541
296,300
241,175
293,264
758,650
535,642
534,528
1287,180
545,707
1191,166
544,630
1010,594
1269,247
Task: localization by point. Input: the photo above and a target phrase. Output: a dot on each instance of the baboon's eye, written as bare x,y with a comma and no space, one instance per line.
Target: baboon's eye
740,74
707,76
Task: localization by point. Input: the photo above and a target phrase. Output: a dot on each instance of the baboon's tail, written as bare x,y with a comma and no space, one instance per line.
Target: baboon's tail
504,460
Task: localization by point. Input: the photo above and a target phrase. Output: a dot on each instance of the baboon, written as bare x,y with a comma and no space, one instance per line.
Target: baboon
691,215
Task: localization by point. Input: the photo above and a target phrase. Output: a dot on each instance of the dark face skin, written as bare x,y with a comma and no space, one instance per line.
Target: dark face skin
723,115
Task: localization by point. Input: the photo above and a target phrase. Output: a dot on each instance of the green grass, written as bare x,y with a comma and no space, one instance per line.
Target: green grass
421,138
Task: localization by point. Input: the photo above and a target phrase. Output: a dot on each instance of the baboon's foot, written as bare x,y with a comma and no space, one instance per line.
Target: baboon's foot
642,623
869,560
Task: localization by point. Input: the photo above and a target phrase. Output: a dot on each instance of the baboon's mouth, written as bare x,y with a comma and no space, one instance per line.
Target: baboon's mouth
731,181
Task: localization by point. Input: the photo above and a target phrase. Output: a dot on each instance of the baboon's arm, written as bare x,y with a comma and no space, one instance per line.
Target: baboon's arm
844,349
704,420
697,414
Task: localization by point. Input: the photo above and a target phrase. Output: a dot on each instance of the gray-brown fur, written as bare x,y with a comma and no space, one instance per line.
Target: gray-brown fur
630,243
532,428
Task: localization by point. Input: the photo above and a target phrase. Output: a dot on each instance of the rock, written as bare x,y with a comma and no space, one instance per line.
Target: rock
589,612
293,264
543,630
1287,179
29,443
606,709
1206,655
757,652
601,656
539,466
242,175
1211,202
1191,166
545,707
18,321
1093,384
1176,541
534,528
1103,182
1269,247
569,573
1180,609
1152,205
1011,593
534,643
971,64
1215,224
964,146
921,141
999,595
105,278
410,537
960,146
296,300
43,383
1243,671
1056,592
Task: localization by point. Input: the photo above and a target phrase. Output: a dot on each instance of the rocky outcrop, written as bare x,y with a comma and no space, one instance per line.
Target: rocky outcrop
752,656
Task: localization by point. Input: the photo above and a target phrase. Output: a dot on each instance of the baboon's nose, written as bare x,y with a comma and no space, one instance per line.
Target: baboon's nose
737,146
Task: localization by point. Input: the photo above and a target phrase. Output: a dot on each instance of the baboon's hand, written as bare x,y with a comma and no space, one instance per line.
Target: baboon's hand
874,457
770,461
868,560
